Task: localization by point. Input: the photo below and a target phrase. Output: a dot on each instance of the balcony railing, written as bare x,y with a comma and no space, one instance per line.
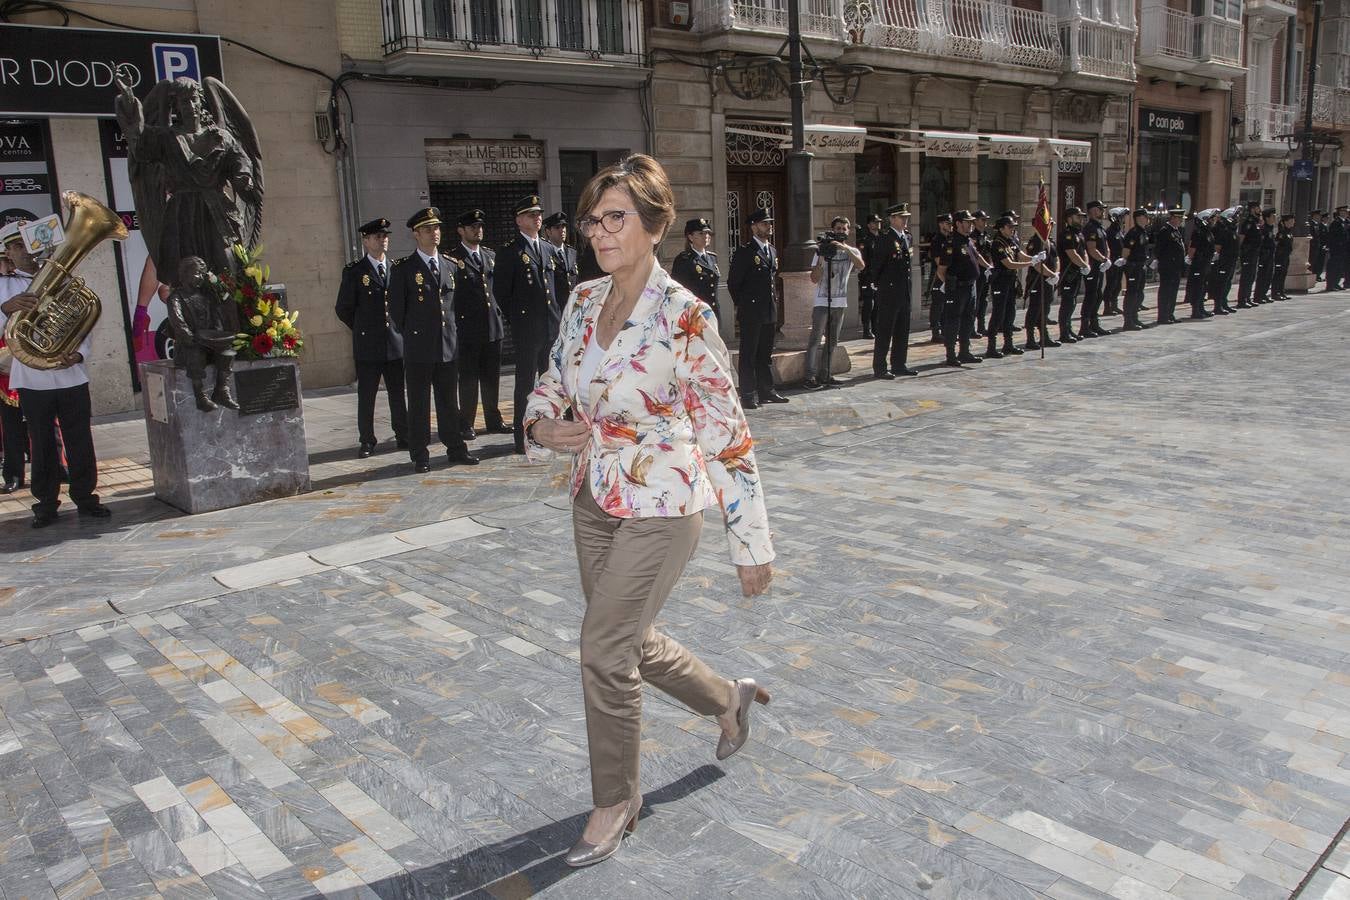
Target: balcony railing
1270,8
819,18
594,30
1267,122
1175,39
976,30
1331,106
1097,48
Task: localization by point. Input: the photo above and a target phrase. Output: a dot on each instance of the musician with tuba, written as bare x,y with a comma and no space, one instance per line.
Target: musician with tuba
48,396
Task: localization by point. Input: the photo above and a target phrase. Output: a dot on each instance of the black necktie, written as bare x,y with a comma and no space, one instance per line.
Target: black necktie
432,265
476,261
380,269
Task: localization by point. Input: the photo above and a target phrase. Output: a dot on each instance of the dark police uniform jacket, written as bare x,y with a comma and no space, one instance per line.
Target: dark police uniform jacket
1071,239
960,267
1002,278
1252,231
1201,247
1094,232
477,317
699,275
524,284
565,272
892,259
1171,249
1035,280
1284,245
1225,242
421,306
1265,251
363,306
1136,241
750,282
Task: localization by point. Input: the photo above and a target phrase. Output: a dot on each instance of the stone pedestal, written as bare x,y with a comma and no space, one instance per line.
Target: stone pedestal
1299,279
799,296
204,461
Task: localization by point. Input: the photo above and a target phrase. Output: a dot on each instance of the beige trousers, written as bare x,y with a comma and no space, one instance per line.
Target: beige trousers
628,567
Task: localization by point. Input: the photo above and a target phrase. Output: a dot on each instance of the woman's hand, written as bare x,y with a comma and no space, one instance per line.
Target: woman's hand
560,435
755,579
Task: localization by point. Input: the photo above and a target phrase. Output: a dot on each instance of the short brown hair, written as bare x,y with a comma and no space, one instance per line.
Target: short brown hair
645,181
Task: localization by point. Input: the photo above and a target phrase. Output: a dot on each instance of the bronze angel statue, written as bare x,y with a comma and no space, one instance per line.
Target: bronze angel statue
196,172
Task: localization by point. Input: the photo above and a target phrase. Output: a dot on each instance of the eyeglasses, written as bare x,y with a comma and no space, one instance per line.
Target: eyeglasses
612,220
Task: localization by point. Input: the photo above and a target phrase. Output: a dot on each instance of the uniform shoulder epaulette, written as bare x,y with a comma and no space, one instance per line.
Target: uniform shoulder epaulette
454,259
710,253
402,259
353,264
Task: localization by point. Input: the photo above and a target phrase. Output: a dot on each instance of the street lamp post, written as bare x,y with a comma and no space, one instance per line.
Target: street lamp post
800,246
1303,187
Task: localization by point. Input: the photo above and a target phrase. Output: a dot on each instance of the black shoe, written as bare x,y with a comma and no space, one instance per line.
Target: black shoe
1133,326
422,466
749,403
868,336
1067,338
906,371
1172,320
42,520
833,382
1242,305
1222,311
400,444
1279,299
365,450
94,510
461,458
993,353
774,397
969,358
935,339
979,333
1011,350
1030,345
1052,343
468,433
884,376
1083,334
11,485
811,384
952,362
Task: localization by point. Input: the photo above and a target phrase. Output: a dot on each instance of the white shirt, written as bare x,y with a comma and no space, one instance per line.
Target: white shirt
21,376
764,247
534,243
378,264
836,297
590,364
433,263
473,252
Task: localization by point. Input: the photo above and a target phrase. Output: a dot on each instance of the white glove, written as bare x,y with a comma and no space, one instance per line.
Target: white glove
1153,265
1188,260
1105,266
1039,257
1086,270
1119,262
1052,280
942,287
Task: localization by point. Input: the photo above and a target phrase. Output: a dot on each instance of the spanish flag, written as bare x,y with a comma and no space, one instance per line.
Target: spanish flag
1041,220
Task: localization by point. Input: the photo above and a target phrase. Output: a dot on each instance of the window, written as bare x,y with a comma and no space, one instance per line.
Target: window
609,21
993,185
575,168
571,25
529,23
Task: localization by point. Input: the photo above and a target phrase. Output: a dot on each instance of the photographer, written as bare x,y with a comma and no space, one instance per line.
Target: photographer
834,261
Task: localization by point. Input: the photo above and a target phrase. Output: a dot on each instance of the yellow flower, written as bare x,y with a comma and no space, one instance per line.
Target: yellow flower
285,323
263,307
255,273
256,321
272,333
295,317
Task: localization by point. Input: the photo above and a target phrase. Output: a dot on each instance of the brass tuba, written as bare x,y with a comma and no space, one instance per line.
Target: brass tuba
67,310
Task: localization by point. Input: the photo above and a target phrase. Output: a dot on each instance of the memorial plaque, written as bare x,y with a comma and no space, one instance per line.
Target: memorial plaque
265,390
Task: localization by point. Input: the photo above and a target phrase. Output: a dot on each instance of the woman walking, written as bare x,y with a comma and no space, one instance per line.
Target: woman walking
658,436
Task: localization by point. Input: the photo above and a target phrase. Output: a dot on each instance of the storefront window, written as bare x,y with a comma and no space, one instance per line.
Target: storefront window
937,191
1169,158
873,180
993,185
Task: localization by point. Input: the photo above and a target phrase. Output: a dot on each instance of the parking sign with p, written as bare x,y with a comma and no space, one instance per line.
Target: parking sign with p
176,61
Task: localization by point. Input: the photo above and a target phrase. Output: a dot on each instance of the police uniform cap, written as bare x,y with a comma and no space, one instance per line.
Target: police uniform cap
1094,204
1004,221
375,226
962,215
1178,211
898,209
1117,211
1072,211
1142,211
945,217
1012,214
428,215
760,215
11,231
1315,212
472,217
529,204
696,225
558,218
1269,211
981,214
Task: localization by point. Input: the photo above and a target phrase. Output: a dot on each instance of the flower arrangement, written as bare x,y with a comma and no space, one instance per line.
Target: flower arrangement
266,330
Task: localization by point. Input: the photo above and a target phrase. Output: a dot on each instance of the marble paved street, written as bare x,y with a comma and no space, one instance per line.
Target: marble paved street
1071,629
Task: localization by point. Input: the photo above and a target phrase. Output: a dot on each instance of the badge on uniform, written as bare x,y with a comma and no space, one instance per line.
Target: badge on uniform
525,258
698,268
758,261
365,280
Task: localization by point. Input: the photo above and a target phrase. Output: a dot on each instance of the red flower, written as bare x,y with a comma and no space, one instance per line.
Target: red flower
288,342
262,344
250,311
248,291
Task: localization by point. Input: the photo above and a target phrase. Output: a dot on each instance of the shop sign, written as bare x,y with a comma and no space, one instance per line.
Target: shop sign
1070,151
1024,149
834,140
1166,121
70,71
467,160
21,142
949,144
1251,175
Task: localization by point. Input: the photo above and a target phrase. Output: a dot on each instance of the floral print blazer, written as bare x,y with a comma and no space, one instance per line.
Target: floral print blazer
668,436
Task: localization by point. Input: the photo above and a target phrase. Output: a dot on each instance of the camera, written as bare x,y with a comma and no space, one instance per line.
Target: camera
825,243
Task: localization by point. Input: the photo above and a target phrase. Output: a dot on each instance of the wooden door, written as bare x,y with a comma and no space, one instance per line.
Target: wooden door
751,189
1070,193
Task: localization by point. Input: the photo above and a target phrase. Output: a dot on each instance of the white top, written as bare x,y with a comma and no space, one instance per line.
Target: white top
21,376
837,295
590,364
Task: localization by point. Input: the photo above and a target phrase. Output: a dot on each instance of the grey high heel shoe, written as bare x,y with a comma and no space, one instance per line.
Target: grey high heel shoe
584,853
749,693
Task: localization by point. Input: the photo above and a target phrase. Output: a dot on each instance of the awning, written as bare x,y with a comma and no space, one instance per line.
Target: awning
951,143
823,140
1069,151
1014,147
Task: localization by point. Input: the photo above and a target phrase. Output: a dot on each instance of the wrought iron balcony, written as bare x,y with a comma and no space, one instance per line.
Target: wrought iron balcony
1178,41
1270,8
1266,125
579,41
1098,49
819,18
972,30
1331,106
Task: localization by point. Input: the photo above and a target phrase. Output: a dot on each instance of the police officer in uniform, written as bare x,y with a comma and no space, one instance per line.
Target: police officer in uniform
958,268
1006,257
1200,253
695,266
1265,255
867,278
363,306
1041,280
565,271
1250,231
1284,248
892,263
1317,247
983,239
1073,266
524,286
1223,228
1134,255
478,326
1170,247
1338,250
750,282
937,246
421,307
1115,233
1099,259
